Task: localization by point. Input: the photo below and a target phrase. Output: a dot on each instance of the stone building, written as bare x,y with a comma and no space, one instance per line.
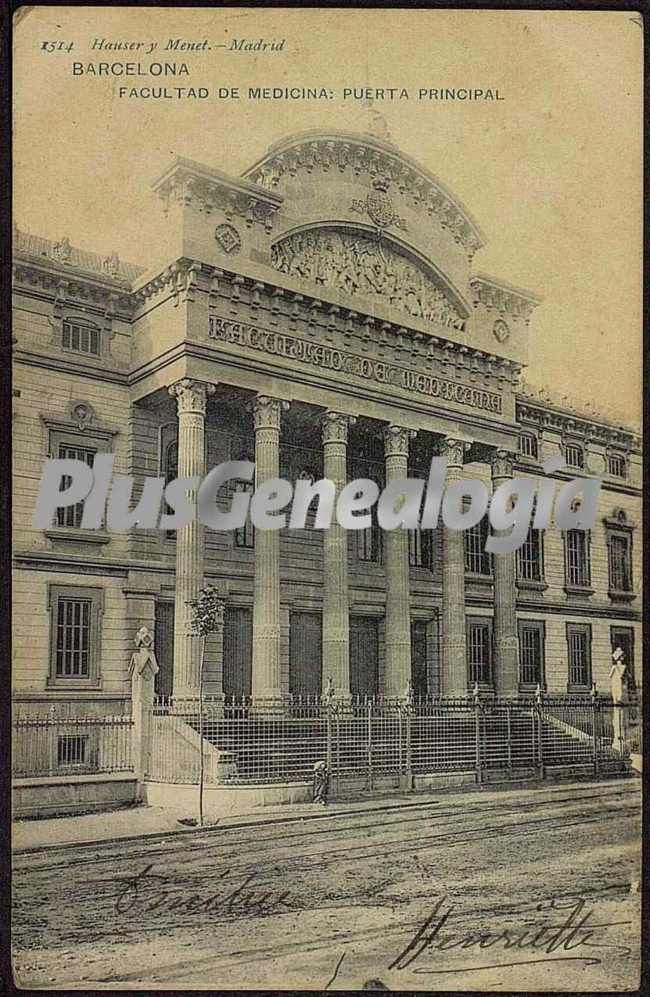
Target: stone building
322,316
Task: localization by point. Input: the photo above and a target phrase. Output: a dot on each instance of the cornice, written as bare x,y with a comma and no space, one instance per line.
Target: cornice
502,297
65,260
546,415
208,190
368,156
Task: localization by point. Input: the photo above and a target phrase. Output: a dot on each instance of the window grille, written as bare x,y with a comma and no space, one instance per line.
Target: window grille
528,444
479,653
578,565
530,566
73,633
579,652
620,574
531,654
617,465
477,559
81,337
574,455
72,749
71,515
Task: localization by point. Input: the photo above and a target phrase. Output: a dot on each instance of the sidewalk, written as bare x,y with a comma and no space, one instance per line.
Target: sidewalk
144,821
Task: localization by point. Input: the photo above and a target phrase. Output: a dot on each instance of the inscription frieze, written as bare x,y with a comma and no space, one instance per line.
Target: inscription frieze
292,348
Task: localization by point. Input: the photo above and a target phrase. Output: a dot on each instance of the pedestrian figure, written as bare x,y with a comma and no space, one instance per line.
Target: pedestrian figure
321,783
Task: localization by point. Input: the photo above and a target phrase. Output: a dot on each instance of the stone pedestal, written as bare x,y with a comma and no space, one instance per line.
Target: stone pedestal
336,626
191,397
453,643
266,678
506,644
396,561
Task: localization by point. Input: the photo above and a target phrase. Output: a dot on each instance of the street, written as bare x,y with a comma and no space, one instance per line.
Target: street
518,890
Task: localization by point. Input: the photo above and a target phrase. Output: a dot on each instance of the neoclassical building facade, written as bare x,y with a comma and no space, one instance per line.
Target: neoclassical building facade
323,316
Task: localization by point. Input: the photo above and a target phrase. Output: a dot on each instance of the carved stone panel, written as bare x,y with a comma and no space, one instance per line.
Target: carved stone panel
356,264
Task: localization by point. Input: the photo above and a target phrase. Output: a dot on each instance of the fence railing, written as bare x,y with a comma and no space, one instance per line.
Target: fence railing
365,740
54,745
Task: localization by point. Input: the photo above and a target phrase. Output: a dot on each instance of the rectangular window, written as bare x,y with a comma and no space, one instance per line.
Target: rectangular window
370,542
72,749
477,560
479,652
616,465
623,638
75,635
71,515
73,638
574,455
421,549
528,444
82,337
245,535
530,559
620,562
531,653
578,564
579,655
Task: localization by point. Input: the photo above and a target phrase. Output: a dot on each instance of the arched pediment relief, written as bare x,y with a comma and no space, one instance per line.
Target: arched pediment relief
358,263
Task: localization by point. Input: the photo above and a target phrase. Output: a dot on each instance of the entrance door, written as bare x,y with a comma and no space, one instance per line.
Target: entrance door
364,656
237,651
419,657
164,648
623,637
305,654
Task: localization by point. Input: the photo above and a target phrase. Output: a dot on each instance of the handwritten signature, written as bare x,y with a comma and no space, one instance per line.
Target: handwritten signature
553,942
152,893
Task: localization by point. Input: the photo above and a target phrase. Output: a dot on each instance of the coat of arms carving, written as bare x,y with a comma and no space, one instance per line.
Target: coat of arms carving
228,238
379,206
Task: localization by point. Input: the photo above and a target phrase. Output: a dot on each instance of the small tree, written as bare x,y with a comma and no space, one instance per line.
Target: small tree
207,617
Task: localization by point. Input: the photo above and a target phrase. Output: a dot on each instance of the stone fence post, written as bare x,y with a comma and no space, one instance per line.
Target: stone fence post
143,671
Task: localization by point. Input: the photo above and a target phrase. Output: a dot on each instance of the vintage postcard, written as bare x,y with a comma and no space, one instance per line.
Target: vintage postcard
327,650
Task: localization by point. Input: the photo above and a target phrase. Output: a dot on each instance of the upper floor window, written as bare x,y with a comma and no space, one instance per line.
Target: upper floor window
81,336
530,557
574,455
617,465
577,559
528,445
477,559
620,562
71,515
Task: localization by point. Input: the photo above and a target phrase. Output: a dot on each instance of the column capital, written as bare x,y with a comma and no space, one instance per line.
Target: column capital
501,462
454,450
396,440
267,411
191,396
335,426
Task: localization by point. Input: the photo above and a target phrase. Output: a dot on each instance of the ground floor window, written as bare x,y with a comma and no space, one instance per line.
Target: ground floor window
531,653
75,614
479,651
579,655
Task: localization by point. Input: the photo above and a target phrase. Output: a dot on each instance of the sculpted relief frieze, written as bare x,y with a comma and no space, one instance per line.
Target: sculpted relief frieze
357,264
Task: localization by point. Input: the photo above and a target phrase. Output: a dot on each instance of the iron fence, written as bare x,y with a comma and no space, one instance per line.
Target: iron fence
54,745
365,741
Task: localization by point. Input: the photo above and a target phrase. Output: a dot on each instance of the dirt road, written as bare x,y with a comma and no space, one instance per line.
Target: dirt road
534,889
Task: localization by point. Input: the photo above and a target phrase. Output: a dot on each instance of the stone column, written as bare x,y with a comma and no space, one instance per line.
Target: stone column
266,678
453,643
506,644
397,676
336,607
191,397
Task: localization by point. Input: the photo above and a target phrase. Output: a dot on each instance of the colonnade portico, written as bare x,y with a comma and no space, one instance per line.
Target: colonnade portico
191,396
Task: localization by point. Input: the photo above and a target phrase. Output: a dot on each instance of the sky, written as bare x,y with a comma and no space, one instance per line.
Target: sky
552,173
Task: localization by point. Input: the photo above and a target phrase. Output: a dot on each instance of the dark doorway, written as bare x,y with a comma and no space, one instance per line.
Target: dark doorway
419,657
364,656
237,651
305,654
164,648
